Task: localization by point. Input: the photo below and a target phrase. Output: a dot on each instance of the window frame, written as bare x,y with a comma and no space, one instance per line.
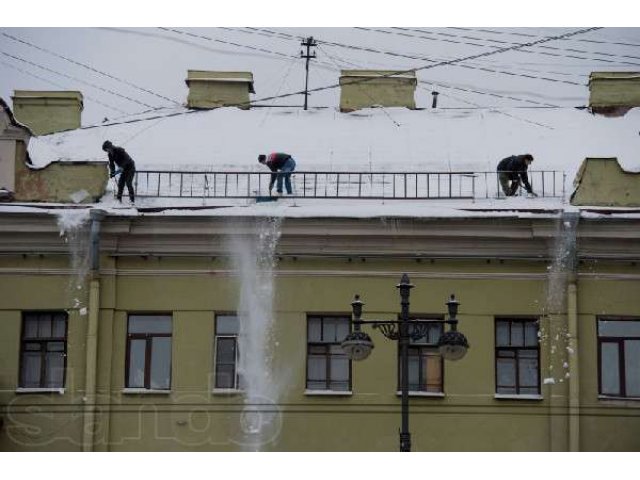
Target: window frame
517,387
148,337
420,347
236,386
621,357
43,351
327,354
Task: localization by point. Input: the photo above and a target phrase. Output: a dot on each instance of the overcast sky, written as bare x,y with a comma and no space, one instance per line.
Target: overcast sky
122,71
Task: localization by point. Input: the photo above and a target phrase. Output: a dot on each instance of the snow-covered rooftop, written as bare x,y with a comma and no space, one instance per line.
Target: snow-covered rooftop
390,139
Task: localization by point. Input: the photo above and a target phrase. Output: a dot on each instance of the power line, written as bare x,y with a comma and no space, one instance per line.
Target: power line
485,69
526,35
368,79
60,86
546,47
286,36
75,79
90,68
413,57
239,45
353,47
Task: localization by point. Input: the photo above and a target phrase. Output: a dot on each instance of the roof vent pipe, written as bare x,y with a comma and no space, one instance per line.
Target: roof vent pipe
434,103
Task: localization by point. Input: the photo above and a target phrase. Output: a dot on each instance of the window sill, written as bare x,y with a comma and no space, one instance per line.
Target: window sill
227,391
509,396
329,393
144,391
620,399
423,394
40,390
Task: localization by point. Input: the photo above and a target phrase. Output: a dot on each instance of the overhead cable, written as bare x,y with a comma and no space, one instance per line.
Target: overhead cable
546,47
528,35
75,79
389,75
61,86
88,67
413,57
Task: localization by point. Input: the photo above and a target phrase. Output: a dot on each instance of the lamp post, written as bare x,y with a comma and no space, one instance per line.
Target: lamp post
357,345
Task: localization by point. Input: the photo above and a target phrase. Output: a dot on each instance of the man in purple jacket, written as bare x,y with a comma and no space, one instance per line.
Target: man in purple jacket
281,164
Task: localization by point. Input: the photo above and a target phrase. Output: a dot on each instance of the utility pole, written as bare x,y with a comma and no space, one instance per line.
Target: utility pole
307,42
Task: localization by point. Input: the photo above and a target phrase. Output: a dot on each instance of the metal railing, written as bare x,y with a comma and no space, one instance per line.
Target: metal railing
343,185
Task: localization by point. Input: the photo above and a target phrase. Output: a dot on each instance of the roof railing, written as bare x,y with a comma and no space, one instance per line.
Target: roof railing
340,185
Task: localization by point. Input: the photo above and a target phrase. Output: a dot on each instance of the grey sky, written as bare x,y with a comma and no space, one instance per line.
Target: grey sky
146,67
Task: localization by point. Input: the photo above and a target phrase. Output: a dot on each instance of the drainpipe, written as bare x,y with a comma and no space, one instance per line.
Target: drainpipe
92,335
572,325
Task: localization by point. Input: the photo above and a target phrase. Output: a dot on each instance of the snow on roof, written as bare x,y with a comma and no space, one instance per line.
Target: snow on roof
390,139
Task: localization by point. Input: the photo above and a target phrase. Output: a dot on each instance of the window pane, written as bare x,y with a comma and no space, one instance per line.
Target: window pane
317,368
506,372
329,330
161,362
314,326
340,368
527,353
54,377
30,327
149,324
435,331
59,324
414,374
529,391
226,351
55,346
31,370
502,334
432,332
528,372
632,367
44,326
433,369
609,369
226,325
32,347
619,328
342,329
517,334
225,376
135,377
531,334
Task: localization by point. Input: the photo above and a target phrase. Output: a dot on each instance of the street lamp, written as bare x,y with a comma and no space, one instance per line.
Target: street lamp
357,345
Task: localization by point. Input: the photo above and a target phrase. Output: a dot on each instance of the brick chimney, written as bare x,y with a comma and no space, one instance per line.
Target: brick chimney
614,93
372,88
48,111
209,89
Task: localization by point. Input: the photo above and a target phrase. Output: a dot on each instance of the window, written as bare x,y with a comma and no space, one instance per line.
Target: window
426,368
517,357
619,357
149,352
328,368
226,352
43,350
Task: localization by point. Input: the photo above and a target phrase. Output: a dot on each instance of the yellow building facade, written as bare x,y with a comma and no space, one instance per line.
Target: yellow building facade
94,288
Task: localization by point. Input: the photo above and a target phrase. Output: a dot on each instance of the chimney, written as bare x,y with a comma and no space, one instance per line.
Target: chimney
208,89
48,111
614,93
374,88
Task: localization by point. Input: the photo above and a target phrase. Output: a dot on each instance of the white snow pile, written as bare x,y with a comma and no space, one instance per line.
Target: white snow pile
70,220
392,139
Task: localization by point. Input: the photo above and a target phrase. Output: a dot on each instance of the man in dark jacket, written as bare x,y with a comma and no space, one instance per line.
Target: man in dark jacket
512,173
279,162
126,166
